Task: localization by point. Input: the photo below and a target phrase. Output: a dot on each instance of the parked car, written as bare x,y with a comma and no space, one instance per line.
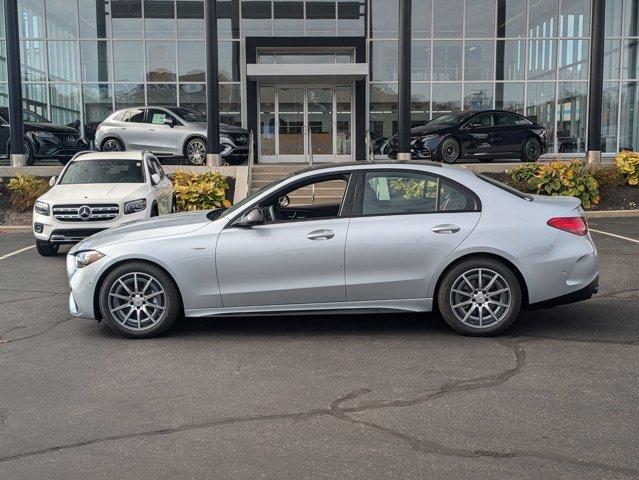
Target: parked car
96,191
42,139
403,237
169,131
483,135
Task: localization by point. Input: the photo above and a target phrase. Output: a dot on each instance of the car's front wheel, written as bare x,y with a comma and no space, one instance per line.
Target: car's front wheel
139,300
196,151
47,249
531,150
479,296
449,150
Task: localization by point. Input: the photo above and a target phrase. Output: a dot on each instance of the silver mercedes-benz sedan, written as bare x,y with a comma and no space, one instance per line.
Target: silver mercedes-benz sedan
383,237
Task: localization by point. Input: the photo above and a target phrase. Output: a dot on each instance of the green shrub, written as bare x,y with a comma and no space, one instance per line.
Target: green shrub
203,191
567,178
628,164
608,176
25,190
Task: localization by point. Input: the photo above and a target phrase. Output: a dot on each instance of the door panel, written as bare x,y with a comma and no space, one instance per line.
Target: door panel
160,138
394,256
282,263
134,130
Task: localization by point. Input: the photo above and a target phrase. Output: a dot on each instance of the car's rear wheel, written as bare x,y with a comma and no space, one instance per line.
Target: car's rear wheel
112,145
139,300
47,249
449,150
195,151
480,296
531,150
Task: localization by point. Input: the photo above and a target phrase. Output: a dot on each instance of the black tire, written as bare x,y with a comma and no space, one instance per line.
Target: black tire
531,150
112,145
195,151
166,317
154,211
475,325
449,150
28,154
47,249
173,206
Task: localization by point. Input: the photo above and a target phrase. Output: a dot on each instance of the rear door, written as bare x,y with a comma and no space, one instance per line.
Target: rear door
134,131
513,131
405,223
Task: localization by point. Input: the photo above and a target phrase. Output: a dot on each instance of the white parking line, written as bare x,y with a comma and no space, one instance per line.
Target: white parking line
2,257
611,235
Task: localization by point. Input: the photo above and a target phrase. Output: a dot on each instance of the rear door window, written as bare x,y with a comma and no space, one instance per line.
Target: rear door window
136,115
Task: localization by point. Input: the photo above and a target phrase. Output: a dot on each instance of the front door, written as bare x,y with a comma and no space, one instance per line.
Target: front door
305,123
161,138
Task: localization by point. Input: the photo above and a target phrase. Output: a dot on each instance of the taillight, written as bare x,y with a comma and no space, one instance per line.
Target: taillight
574,225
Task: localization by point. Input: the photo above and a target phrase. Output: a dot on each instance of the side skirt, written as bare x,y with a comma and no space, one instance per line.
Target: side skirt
369,306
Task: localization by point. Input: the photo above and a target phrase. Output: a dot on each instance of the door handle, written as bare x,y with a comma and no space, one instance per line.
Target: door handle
320,234
446,228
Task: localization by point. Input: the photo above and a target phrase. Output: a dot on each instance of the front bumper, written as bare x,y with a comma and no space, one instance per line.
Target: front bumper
59,151
83,283
236,155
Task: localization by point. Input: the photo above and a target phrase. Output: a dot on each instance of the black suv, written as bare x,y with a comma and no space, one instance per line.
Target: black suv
42,139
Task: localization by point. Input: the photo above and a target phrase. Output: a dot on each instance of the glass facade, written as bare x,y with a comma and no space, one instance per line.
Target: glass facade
83,58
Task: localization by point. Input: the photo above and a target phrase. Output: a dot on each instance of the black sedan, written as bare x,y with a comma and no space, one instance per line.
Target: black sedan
42,139
485,135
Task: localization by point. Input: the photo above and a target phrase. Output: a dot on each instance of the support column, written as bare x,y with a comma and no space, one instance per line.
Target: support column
595,83
404,124
17,157
212,86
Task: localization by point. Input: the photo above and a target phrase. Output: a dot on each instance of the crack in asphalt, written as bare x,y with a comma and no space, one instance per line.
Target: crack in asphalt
338,411
32,298
31,291
581,340
34,335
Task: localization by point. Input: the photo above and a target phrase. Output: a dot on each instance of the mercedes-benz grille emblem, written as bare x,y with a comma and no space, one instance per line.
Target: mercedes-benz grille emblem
84,212
70,139
241,139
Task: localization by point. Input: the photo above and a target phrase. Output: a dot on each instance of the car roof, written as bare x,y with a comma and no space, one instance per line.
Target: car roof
365,164
131,155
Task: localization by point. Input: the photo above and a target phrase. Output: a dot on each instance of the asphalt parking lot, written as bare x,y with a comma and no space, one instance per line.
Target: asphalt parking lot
356,397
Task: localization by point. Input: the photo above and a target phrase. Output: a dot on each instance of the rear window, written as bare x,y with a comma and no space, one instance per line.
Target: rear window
505,187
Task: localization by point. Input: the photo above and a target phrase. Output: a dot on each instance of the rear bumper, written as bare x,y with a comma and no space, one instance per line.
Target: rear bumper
577,296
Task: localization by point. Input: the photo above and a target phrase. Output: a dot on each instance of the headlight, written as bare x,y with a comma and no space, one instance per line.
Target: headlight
41,208
428,137
135,206
83,259
47,135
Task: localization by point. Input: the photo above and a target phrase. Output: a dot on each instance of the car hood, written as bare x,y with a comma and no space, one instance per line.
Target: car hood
102,192
166,225
430,129
50,127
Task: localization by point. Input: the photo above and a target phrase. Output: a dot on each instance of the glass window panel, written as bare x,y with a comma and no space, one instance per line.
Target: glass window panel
160,61
319,116
95,60
126,18
383,109
384,18
159,19
631,58
448,18
480,18
2,35
478,60
34,98
612,55
631,18
344,125
230,104
446,98
128,95
478,96
542,18
63,61
128,61
256,18
613,17
4,97
320,17
288,17
573,59
228,19
161,95
609,111
629,127
33,60
3,61
540,107
267,120
419,104
574,20
291,121
511,60
421,15
509,96
95,19
420,60
191,61
541,59
383,60
97,102
511,18
193,95
31,19
447,60
572,109
65,104
62,19
190,19
351,17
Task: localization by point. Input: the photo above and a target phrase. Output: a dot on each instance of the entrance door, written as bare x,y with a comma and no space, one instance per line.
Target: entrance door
290,116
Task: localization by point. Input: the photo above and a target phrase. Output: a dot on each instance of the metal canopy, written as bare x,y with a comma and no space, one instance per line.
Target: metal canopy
306,73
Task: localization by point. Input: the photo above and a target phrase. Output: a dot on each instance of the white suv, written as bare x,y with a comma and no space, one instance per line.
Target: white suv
96,191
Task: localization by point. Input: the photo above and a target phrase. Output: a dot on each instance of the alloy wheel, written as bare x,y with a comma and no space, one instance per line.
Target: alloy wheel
137,301
533,149
450,151
196,152
480,298
111,146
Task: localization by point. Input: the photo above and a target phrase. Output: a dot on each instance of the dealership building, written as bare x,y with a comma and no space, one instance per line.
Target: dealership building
331,66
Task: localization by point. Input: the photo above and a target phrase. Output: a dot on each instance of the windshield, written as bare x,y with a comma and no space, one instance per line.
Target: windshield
449,119
188,115
27,116
103,171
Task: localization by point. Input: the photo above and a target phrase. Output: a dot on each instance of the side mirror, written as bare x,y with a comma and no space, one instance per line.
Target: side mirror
155,179
250,218
170,121
52,181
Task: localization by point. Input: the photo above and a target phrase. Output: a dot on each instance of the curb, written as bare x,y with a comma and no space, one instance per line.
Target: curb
612,213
